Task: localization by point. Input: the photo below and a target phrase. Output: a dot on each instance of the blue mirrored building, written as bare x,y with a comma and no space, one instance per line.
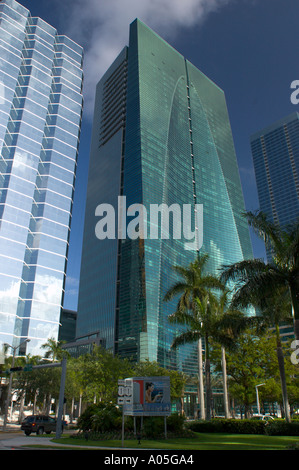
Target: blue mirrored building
275,151
40,118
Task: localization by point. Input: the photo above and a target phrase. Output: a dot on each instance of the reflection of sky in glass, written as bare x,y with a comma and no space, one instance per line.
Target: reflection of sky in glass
40,116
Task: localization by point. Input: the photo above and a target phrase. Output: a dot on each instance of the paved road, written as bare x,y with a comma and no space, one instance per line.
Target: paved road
10,441
18,441
12,438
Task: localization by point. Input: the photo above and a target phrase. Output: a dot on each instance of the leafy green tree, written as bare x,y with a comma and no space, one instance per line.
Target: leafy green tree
274,309
246,368
100,372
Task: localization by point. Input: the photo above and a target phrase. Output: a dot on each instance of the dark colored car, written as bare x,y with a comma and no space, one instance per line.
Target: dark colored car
38,424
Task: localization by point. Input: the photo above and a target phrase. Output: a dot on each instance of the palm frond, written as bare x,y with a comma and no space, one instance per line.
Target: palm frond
186,338
182,317
178,288
242,270
257,287
268,231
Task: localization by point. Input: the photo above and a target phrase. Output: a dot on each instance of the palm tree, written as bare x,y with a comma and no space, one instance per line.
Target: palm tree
230,323
193,284
53,349
210,321
196,321
256,278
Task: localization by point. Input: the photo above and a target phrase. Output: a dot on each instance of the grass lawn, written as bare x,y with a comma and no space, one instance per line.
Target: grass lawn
202,441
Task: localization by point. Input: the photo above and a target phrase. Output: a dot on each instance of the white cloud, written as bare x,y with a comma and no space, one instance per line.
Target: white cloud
102,28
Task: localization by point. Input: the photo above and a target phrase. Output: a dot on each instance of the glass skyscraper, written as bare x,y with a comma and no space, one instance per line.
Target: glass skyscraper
40,119
275,151
161,135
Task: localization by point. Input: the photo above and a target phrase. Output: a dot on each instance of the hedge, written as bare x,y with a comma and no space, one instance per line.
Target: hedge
246,426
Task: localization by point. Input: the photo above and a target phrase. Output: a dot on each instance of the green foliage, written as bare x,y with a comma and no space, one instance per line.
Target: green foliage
246,426
107,419
85,420
282,428
233,426
153,427
100,418
176,422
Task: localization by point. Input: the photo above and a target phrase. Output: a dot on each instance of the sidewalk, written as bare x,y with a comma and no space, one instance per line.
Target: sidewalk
22,441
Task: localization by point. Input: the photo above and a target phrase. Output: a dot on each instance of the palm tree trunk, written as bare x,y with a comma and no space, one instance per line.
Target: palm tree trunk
208,379
295,306
208,388
201,398
225,394
280,358
80,405
22,402
296,328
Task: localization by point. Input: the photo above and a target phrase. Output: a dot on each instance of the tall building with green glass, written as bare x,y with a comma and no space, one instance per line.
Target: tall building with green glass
161,135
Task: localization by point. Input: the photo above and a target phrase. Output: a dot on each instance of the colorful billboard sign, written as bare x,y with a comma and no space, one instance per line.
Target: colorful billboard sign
145,396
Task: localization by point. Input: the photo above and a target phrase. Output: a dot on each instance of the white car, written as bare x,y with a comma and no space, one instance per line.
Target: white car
263,417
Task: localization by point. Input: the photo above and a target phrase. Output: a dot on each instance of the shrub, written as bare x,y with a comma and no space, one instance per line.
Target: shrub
233,426
281,428
85,420
100,418
175,423
246,426
107,419
153,427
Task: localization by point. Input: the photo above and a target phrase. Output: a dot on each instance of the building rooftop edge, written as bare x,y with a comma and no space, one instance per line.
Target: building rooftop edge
271,127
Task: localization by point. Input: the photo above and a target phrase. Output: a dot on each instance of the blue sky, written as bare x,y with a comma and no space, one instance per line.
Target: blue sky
249,48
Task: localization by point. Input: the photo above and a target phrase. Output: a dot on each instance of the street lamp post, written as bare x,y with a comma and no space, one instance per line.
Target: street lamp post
10,382
257,397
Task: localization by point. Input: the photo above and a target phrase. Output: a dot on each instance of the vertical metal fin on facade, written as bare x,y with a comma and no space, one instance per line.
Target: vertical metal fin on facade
292,159
114,103
275,215
191,150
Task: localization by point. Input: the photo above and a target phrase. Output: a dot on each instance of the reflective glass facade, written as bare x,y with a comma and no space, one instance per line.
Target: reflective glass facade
40,119
275,151
161,135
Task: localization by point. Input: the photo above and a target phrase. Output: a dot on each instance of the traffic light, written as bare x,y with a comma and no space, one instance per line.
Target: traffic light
26,368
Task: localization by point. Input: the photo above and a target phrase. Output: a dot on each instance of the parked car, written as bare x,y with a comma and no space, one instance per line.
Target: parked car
263,417
38,424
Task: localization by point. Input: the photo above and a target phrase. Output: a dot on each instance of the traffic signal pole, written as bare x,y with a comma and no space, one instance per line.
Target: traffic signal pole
63,365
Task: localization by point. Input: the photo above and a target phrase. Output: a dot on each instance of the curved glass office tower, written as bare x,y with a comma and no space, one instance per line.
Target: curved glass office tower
40,119
161,136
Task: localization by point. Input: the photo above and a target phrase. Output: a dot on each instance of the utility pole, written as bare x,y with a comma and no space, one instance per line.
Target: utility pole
63,365
10,381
